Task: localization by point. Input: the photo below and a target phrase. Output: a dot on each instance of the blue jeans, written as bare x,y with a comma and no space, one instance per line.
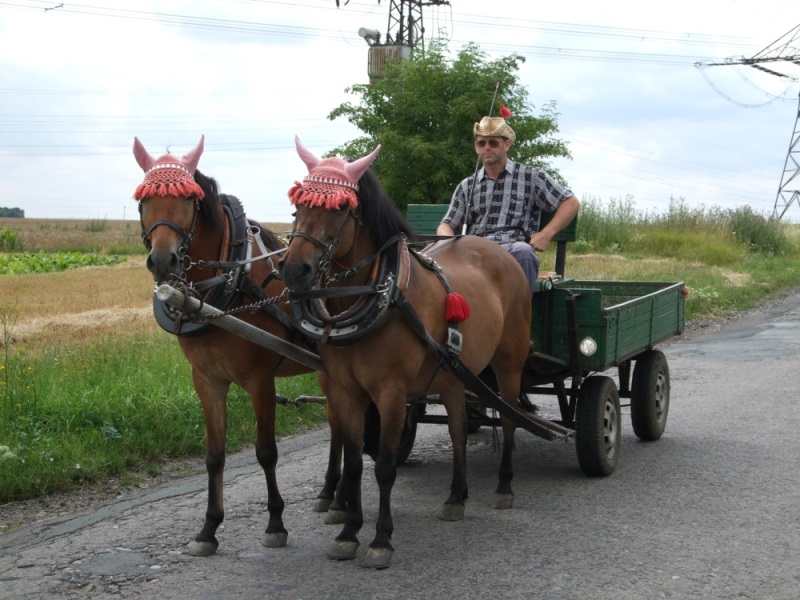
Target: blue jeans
526,256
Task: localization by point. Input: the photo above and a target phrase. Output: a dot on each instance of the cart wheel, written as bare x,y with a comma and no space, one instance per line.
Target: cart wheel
650,395
598,426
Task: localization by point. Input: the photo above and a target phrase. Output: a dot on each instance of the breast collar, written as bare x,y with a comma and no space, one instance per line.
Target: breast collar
390,271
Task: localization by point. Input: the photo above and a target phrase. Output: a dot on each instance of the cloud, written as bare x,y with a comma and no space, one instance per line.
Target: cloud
80,82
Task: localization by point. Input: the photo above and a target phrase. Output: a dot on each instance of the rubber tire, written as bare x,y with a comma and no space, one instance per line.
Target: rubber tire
598,426
650,389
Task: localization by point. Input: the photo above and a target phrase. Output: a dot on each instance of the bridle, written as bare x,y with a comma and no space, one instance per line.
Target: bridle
328,250
186,236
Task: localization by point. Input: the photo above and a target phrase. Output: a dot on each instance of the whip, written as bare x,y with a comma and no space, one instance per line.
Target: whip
471,187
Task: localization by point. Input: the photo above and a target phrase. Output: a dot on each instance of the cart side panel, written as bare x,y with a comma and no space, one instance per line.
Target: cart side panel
624,318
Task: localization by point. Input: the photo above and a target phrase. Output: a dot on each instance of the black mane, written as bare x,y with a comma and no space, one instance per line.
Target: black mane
209,212
378,212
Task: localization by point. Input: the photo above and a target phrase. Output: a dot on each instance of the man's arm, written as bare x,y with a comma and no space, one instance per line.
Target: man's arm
561,218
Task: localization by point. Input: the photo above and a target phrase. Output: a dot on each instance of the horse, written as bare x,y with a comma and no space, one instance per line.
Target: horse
388,319
187,224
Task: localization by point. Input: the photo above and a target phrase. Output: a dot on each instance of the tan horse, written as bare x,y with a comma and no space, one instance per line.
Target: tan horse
187,224
371,304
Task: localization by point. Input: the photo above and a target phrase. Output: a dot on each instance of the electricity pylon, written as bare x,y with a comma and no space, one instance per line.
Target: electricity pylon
782,50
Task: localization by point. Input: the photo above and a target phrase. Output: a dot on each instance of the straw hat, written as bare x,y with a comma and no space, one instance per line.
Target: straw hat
494,127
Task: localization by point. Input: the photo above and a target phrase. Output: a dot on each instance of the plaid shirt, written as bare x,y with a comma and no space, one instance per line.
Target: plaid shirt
509,208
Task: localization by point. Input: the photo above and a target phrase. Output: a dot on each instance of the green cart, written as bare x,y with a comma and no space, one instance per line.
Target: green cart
580,330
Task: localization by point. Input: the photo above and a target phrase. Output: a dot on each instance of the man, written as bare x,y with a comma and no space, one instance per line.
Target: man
505,200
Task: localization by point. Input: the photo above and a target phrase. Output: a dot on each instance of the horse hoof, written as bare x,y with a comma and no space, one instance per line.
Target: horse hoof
452,512
275,540
322,504
377,558
503,501
335,517
342,550
196,548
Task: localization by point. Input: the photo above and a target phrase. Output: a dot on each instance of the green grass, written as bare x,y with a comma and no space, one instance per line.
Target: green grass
109,408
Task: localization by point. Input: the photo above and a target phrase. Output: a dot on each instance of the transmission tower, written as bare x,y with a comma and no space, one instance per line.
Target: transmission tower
783,50
405,32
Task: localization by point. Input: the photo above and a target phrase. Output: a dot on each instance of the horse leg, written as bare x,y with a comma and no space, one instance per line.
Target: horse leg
453,401
351,420
264,403
392,410
330,488
336,509
212,397
509,384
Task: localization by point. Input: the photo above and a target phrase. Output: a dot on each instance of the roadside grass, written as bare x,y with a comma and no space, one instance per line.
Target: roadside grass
91,388
95,409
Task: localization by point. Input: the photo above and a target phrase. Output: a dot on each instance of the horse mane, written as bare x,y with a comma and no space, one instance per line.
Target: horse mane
209,204
209,212
378,213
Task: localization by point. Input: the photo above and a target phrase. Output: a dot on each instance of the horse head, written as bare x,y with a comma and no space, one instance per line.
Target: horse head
169,200
327,207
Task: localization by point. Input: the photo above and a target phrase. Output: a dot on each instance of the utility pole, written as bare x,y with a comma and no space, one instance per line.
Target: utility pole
405,32
782,50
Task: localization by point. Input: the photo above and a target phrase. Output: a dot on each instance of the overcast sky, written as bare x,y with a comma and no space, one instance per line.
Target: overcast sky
79,81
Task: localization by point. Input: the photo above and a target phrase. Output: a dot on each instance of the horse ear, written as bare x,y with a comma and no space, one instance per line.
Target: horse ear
142,156
358,167
191,158
308,157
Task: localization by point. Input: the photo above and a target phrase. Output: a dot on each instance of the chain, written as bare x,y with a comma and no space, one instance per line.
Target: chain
251,308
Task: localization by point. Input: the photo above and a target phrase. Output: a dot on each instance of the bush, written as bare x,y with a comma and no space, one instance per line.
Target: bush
9,240
759,233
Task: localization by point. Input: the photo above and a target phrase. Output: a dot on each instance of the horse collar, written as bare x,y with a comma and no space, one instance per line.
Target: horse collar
391,269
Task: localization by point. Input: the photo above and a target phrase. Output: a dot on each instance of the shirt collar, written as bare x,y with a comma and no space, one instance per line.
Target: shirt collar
508,168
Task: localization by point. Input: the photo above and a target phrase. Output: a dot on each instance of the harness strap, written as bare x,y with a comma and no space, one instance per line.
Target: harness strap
487,396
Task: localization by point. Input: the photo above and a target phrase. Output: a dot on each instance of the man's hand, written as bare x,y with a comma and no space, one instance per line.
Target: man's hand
444,229
540,240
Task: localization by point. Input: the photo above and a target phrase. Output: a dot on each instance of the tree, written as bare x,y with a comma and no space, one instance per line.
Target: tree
422,112
16,213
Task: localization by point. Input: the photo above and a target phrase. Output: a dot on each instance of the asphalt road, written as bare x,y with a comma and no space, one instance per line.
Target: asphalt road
712,510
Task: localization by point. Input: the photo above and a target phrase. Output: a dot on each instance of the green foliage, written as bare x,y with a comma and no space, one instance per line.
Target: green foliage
713,236
9,240
422,112
47,262
111,408
759,233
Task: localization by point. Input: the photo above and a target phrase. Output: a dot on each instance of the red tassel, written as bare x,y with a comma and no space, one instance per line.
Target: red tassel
456,308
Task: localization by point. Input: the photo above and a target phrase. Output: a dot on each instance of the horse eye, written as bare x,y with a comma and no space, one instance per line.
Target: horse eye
294,214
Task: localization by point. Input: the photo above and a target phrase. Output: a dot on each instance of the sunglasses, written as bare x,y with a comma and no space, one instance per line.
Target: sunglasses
491,143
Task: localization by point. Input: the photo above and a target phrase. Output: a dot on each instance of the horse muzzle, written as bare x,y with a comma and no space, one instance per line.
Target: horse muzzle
298,275
164,265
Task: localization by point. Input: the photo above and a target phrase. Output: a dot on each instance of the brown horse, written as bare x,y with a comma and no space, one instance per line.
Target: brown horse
201,239
383,317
